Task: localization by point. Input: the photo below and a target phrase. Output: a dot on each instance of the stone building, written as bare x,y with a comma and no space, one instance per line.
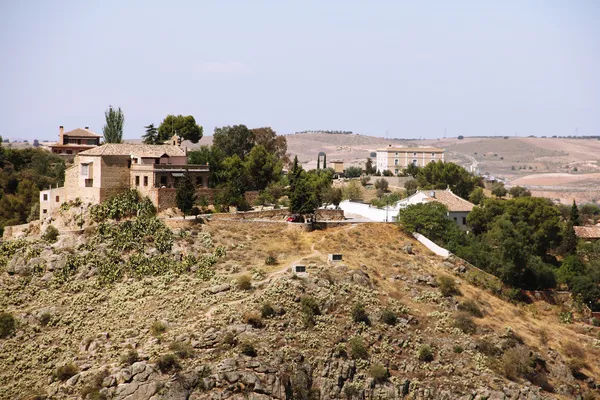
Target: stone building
73,142
395,159
104,171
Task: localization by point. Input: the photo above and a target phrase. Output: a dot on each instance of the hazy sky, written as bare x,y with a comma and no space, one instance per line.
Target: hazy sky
409,68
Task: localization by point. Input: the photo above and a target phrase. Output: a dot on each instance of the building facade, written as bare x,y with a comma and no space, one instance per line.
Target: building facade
395,159
73,142
104,171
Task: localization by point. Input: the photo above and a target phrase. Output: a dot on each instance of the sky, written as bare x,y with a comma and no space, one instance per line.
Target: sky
383,68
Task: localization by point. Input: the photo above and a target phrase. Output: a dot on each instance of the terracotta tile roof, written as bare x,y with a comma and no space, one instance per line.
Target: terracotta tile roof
450,200
140,150
82,133
587,232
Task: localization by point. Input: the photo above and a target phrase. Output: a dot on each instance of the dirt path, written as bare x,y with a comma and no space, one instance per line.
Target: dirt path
270,276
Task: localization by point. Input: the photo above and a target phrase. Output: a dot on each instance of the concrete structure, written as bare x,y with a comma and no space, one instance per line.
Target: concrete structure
337,166
333,258
73,142
299,270
395,159
102,172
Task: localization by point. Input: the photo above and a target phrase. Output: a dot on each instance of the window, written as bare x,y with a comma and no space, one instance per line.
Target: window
44,211
454,219
57,199
198,181
137,180
85,169
145,181
464,220
414,154
396,154
69,151
135,160
415,162
89,183
432,155
300,269
396,171
45,197
91,141
163,180
336,257
396,161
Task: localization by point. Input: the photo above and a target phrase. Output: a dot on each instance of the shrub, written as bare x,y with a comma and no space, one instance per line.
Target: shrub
471,307
229,340
310,305
358,350
7,325
244,282
382,184
182,349
130,357
425,353
254,319
389,317
516,362
595,321
575,365
379,373
458,349
447,286
573,350
485,346
464,322
350,390
45,318
359,314
66,371
167,362
51,234
158,328
248,349
271,259
267,310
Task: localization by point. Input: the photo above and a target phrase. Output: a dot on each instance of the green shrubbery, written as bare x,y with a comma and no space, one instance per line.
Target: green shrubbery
51,234
167,363
358,349
267,310
464,322
447,286
471,307
389,317
379,373
310,309
127,204
359,314
7,325
248,349
425,353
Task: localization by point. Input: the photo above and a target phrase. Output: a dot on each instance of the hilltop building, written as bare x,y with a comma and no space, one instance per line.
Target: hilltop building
104,171
74,142
395,159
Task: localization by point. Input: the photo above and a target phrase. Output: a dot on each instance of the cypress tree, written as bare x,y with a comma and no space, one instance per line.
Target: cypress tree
569,241
185,196
113,130
324,161
574,217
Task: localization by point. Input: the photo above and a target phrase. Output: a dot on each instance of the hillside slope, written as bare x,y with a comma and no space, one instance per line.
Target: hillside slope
306,345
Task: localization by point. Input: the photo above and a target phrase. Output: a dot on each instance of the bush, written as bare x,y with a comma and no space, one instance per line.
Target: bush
248,349
157,328
310,308
271,259
182,349
471,307
267,310
229,340
425,353
464,322
131,357
7,325
573,350
254,319
382,184
516,362
51,234
595,321
353,172
244,282
379,373
167,363
389,317
358,350
458,348
486,347
45,318
575,365
66,371
447,286
365,180
92,389
359,314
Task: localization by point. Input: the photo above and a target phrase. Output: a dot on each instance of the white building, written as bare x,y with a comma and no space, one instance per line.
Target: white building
395,159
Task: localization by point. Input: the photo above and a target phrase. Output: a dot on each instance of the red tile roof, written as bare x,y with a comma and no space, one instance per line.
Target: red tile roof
587,232
450,200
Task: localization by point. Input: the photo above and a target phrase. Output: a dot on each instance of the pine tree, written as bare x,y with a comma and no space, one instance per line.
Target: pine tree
186,195
574,217
113,130
151,135
569,241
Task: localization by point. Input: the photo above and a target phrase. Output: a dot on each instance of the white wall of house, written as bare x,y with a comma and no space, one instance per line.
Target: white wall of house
369,212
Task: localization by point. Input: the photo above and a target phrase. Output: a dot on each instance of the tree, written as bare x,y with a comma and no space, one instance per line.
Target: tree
303,195
332,195
276,145
324,161
429,219
263,167
113,130
184,126
369,168
36,143
352,172
441,175
411,187
234,140
569,239
381,184
570,268
353,191
519,191
185,197
151,135
499,190
477,196
411,170
574,215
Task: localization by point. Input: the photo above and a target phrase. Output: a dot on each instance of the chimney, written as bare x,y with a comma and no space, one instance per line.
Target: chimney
61,130
87,127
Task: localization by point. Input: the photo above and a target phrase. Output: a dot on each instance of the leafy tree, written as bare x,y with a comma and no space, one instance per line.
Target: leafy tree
570,268
113,130
387,172
332,195
262,166
214,157
36,143
429,219
499,190
369,168
151,135
411,187
574,215
353,172
477,196
185,196
352,191
519,191
569,239
411,170
303,196
588,290
381,184
441,175
184,126
236,178
234,140
276,145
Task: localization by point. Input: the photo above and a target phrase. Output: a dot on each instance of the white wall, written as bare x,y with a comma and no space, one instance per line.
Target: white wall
368,212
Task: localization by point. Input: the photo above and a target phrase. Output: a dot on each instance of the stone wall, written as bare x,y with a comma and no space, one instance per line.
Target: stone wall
280,214
165,197
330,215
